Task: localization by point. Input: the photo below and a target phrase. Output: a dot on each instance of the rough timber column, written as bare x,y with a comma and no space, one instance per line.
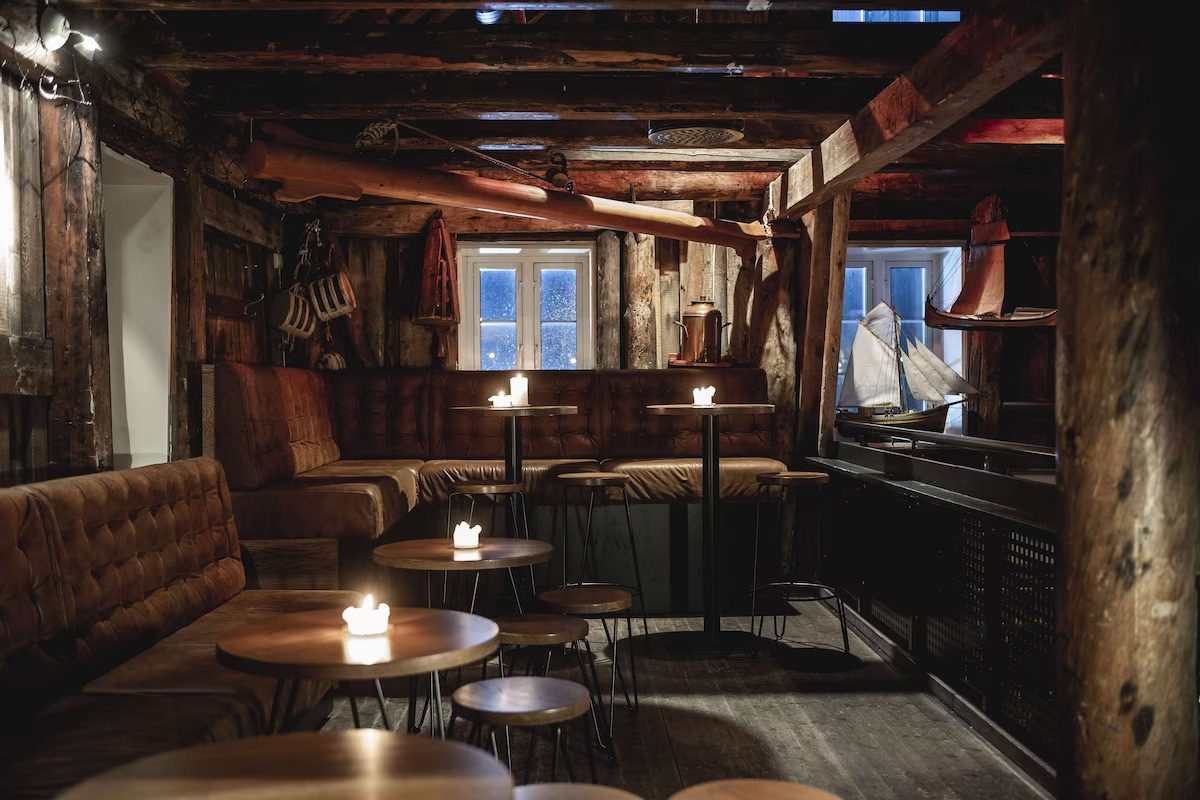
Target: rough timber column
1128,427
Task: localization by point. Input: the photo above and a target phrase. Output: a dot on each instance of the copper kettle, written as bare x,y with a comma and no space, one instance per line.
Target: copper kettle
701,332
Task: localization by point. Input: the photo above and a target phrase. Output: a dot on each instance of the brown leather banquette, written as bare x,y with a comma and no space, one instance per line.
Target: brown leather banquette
347,454
114,589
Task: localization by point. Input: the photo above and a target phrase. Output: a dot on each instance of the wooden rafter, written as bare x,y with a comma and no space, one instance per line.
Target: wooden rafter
980,58
504,5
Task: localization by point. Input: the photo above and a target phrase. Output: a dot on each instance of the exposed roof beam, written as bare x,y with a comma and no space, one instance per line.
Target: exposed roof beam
1005,131
980,58
832,49
406,219
657,184
505,5
524,97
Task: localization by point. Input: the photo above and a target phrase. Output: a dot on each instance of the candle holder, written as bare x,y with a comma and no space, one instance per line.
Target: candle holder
501,400
367,619
703,396
466,537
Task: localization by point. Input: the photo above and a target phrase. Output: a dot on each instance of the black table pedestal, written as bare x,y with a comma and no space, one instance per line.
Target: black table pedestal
512,449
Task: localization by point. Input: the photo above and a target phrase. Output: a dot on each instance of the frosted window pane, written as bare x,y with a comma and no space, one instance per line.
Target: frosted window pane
908,292
912,330
559,345
558,295
497,345
860,15
854,301
498,295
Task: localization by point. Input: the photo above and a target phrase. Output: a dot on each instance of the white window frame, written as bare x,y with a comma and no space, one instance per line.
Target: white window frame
529,259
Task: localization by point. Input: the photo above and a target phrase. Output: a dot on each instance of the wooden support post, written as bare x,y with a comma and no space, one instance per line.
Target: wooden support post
832,347
80,414
189,322
608,301
666,258
641,284
1128,379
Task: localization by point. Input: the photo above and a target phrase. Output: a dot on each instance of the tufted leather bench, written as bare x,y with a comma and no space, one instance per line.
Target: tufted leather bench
347,454
114,589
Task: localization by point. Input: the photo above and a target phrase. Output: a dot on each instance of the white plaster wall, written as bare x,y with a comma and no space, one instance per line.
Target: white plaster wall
138,219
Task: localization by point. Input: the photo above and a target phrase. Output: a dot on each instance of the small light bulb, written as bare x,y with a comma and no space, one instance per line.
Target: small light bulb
87,44
488,17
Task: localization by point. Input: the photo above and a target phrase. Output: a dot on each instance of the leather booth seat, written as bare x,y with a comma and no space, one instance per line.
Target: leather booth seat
114,589
347,454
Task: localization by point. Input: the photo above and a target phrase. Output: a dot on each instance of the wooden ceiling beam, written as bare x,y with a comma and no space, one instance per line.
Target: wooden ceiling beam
504,5
525,97
832,49
979,59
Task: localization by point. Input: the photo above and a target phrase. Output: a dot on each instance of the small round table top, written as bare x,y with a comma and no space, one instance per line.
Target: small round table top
519,411
715,410
440,555
570,791
315,644
752,789
522,700
359,763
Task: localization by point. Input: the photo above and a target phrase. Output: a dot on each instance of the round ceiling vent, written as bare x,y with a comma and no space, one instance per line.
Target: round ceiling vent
692,133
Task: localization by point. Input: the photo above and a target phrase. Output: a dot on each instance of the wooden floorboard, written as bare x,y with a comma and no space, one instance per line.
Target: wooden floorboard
800,711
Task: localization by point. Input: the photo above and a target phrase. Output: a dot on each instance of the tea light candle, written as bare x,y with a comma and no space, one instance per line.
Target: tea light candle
500,400
465,536
518,387
367,620
703,397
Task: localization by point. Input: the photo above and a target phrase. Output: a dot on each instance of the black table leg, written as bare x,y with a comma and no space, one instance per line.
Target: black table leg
711,508
512,449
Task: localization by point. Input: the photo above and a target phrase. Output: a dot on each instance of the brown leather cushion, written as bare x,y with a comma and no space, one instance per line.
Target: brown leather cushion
144,552
31,609
308,509
629,432
382,414
462,435
439,476
665,480
272,423
402,475
79,736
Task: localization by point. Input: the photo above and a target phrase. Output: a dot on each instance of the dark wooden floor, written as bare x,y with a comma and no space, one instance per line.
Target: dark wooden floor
800,711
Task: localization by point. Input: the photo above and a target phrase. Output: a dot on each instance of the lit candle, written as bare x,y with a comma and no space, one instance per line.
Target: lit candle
367,650
465,536
500,400
518,387
703,397
367,620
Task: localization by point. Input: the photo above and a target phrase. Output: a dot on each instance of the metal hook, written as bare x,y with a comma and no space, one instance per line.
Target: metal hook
246,309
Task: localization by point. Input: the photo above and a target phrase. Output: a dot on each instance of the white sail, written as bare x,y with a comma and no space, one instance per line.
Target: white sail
949,381
922,384
872,376
884,322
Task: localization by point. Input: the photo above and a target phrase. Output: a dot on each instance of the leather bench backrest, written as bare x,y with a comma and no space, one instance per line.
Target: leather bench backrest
462,435
136,555
382,413
273,423
630,432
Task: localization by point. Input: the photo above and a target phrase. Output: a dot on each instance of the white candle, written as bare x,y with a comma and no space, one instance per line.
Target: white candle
367,620
465,536
367,650
518,387
703,396
500,400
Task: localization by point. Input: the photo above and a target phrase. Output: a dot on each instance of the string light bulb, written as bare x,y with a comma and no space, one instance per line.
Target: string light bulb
488,17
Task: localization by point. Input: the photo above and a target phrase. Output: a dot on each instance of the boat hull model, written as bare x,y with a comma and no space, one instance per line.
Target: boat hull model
1020,318
933,420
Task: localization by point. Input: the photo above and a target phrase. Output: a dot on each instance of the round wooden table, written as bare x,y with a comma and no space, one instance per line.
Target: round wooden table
752,789
570,791
512,429
293,766
314,645
710,502
440,555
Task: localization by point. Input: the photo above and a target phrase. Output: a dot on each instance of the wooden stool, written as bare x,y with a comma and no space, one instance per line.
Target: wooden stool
494,492
790,590
570,791
755,788
602,602
598,484
525,702
552,630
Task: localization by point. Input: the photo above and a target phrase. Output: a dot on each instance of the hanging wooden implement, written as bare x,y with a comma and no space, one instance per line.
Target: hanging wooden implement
438,305
306,174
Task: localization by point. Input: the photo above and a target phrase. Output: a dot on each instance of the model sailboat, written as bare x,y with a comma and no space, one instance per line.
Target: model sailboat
980,303
879,365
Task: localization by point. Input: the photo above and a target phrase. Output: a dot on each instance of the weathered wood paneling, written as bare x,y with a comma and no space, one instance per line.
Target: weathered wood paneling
188,313
608,301
26,365
640,324
246,221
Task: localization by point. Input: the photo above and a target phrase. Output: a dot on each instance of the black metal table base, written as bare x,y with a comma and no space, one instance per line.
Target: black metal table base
701,643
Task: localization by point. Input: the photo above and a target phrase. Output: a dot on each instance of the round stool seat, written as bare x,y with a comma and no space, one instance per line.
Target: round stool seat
541,630
570,791
524,700
752,787
486,487
794,478
585,600
594,478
